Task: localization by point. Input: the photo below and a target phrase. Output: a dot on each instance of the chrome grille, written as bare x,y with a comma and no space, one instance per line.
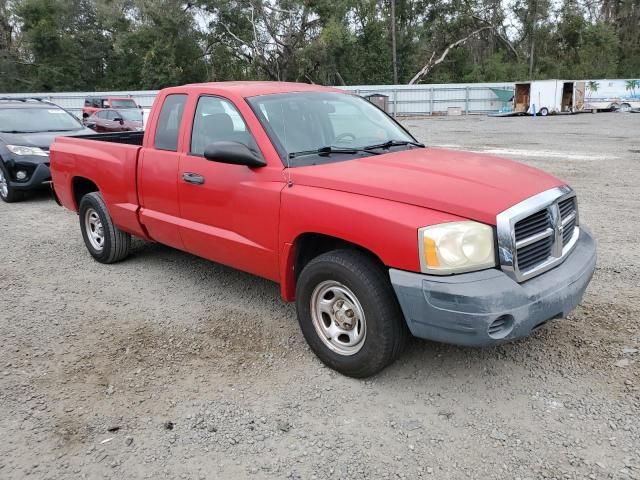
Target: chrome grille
569,216
537,234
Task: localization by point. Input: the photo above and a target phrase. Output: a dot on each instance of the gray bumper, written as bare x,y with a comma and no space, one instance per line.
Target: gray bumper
488,307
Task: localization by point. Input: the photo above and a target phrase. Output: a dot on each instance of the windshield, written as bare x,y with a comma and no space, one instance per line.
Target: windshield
308,123
123,103
30,120
130,115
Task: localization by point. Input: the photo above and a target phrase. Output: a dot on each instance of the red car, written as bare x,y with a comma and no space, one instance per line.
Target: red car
115,120
371,233
93,104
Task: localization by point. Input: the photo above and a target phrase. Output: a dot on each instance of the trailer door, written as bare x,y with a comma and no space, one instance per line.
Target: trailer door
578,97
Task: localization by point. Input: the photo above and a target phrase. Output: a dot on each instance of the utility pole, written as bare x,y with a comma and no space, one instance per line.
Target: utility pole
393,42
532,33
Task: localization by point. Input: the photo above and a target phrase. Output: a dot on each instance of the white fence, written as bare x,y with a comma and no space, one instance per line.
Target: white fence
431,99
402,99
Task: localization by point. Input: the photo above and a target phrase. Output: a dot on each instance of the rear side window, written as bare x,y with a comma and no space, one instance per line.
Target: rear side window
169,121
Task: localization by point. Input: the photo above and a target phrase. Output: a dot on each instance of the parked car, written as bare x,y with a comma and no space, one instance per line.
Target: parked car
372,234
93,104
27,128
115,120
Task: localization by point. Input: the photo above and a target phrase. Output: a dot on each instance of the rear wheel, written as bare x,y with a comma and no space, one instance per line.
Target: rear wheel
625,107
105,242
349,314
544,111
8,193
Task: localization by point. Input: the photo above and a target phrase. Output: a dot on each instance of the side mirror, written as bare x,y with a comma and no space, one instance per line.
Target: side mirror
233,153
118,119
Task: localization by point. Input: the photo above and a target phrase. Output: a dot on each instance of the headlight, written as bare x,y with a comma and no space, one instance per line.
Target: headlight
456,247
21,150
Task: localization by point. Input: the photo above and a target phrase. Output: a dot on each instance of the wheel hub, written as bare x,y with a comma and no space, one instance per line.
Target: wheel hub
94,229
344,314
338,317
4,186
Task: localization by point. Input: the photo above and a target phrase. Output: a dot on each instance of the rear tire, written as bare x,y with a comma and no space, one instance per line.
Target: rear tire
105,242
544,111
8,193
349,314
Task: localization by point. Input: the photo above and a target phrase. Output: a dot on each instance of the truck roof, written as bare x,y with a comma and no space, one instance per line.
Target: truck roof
253,89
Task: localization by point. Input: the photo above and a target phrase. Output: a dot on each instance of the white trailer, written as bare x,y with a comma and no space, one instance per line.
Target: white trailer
612,94
544,97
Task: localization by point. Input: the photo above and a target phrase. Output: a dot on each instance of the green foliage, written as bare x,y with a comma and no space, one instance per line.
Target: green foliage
58,45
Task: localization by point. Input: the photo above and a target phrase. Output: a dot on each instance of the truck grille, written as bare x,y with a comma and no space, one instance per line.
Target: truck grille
537,234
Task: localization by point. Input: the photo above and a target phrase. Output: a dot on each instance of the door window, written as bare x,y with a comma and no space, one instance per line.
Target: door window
217,119
168,127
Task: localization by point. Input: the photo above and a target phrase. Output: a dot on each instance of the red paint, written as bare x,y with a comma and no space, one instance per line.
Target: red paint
250,219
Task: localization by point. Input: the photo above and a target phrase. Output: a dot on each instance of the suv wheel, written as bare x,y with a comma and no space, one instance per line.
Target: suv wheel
7,192
105,242
349,314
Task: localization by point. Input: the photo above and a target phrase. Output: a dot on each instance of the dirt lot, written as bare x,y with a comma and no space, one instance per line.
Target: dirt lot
168,366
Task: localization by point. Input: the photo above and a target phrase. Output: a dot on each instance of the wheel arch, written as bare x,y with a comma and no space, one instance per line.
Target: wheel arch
307,246
80,186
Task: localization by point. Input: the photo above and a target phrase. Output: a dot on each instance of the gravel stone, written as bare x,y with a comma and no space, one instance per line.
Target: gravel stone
168,337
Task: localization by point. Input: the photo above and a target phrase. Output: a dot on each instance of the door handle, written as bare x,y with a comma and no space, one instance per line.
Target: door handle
193,178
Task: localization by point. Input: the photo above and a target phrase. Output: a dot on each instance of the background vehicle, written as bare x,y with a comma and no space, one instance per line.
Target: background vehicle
93,104
371,234
613,95
27,128
549,97
116,120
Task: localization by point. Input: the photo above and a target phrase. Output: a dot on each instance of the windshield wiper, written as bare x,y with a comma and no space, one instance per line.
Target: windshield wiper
17,131
326,151
63,130
393,143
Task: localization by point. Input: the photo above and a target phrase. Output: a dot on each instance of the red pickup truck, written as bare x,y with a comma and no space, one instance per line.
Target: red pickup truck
372,234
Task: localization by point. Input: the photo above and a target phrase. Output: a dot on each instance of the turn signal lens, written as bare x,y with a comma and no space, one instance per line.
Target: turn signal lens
456,247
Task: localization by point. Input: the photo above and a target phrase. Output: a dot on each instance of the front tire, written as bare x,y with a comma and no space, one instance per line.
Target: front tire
7,192
544,111
349,314
105,242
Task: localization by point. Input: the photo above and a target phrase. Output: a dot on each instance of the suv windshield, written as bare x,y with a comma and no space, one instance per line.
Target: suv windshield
30,119
123,103
314,127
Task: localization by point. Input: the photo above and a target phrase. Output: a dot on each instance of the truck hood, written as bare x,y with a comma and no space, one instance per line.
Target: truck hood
466,184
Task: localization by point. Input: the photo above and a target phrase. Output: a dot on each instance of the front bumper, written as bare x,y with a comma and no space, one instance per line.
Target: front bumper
488,307
39,173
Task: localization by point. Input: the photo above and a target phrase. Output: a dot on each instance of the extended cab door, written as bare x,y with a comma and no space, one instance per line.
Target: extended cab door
229,212
158,174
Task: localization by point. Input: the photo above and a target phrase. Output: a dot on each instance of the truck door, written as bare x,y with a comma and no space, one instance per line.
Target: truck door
229,212
158,175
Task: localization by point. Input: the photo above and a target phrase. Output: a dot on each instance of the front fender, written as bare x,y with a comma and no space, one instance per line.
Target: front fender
387,229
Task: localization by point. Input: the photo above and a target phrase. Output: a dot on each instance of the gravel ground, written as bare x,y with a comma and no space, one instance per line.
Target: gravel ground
168,366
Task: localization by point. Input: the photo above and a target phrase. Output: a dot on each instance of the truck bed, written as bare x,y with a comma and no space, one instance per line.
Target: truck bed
111,165
128,138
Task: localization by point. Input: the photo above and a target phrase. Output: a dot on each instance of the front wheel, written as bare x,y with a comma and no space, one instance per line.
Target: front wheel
7,192
349,314
544,111
105,242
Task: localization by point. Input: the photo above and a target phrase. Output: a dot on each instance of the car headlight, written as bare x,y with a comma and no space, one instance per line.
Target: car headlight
22,150
456,247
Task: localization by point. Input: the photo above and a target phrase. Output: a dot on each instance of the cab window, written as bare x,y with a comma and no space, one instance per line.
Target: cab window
217,119
168,127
